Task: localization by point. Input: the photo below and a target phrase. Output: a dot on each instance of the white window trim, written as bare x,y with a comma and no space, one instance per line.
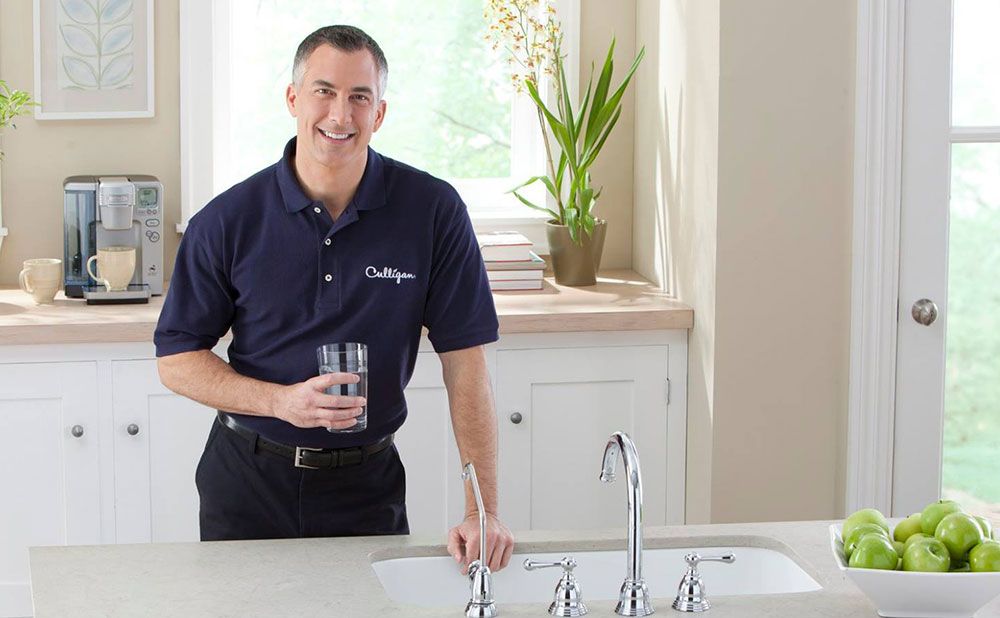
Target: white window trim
875,271
203,81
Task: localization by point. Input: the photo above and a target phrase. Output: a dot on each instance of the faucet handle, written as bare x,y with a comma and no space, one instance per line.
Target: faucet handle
694,558
568,595
566,563
691,592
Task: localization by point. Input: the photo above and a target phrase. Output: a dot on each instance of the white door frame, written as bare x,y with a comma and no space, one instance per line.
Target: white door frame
896,363
875,270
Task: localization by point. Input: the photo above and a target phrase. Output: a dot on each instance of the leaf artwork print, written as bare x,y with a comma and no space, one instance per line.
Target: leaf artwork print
95,44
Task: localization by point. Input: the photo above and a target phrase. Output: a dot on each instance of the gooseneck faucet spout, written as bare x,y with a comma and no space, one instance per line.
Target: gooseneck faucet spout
481,605
634,597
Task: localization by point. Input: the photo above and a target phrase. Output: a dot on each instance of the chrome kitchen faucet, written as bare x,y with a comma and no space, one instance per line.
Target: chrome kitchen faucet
481,604
634,597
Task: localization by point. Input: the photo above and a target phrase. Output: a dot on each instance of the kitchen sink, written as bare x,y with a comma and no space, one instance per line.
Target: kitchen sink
435,581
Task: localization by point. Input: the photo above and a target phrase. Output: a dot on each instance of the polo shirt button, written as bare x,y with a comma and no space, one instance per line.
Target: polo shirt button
316,210
328,278
327,242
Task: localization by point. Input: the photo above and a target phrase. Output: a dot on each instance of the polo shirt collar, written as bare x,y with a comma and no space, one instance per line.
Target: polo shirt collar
369,196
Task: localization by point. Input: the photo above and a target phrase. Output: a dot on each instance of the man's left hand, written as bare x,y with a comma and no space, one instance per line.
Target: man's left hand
463,542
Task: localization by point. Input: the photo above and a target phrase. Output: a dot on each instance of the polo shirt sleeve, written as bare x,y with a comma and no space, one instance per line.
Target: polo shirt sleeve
200,305
459,312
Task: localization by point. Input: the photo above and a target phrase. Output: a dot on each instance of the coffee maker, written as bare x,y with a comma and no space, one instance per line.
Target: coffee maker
105,211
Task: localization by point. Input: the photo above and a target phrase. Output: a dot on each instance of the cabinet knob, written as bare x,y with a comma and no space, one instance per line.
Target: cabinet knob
132,429
516,418
77,431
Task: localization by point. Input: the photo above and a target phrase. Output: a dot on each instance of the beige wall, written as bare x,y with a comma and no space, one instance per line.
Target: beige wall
752,108
784,258
676,179
40,154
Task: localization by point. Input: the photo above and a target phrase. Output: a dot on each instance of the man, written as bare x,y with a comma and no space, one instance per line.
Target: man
334,243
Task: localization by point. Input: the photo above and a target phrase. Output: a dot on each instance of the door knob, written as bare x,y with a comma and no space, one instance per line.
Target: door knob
516,418
77,431
132,429
924,311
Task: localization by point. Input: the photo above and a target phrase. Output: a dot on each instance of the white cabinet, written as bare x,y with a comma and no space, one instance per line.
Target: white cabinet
49,473
435,498
567,403
158,439
129,478
568,393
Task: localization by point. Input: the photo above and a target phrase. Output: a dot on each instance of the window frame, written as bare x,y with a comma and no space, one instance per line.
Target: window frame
204,33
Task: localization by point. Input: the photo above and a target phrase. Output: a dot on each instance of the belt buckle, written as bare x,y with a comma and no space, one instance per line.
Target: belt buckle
298,457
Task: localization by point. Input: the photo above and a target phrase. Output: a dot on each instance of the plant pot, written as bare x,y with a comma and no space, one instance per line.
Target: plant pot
575,265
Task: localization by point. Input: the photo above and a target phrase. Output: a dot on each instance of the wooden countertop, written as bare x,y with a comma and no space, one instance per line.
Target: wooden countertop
621,300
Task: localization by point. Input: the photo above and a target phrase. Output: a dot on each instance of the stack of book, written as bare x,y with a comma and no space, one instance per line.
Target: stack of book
510,262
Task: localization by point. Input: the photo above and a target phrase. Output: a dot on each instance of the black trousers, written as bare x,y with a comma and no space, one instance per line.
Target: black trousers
260,495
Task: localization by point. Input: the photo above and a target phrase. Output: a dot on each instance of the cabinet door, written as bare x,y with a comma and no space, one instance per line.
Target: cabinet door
50,478
570,401
159,437
434,495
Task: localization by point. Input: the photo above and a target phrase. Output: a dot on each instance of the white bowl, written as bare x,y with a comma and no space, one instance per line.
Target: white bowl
919,595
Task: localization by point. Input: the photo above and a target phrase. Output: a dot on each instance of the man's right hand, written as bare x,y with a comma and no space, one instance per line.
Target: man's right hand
306,405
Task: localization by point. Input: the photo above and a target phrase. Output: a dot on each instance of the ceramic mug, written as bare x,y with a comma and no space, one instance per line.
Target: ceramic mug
116,266
41,278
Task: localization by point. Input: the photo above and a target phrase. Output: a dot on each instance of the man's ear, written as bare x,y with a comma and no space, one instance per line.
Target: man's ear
379,115
290,96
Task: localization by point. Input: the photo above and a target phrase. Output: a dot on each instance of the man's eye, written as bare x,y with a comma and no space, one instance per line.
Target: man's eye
360,97
322,91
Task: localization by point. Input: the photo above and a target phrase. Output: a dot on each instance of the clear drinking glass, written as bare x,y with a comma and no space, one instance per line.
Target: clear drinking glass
347,358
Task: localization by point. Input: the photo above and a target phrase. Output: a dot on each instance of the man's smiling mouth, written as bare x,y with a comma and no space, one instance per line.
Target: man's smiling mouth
337,137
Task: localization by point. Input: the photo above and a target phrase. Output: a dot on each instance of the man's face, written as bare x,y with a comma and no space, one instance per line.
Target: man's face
336,106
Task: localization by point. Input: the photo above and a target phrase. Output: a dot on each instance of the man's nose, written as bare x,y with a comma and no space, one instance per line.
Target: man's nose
339,111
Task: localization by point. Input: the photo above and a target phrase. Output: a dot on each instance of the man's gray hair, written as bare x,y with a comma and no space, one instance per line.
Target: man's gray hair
344,38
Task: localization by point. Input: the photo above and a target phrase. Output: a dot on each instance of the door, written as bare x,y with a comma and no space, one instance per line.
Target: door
556,409
947,419
49,468
159,437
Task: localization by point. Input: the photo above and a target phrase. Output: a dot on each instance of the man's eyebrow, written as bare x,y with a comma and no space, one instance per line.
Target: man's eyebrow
326,84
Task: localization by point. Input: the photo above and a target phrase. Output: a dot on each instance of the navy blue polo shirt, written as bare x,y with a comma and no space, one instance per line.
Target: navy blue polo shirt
268,262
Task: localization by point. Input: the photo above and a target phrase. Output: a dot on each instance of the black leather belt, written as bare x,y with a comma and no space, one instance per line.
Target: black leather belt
307,457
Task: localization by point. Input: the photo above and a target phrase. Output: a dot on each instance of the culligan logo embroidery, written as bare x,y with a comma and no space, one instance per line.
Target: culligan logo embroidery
388,273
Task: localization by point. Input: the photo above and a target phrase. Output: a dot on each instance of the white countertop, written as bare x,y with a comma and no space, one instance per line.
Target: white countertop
333,576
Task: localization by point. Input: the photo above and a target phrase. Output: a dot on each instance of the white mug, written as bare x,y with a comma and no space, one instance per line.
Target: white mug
41,278
115,265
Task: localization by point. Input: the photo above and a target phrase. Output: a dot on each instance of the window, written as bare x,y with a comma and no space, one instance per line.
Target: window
451,109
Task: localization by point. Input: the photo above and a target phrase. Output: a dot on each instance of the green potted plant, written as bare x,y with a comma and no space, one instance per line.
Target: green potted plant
13,103
530,32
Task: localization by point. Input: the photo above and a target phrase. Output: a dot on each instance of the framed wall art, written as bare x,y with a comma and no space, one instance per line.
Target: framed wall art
93,59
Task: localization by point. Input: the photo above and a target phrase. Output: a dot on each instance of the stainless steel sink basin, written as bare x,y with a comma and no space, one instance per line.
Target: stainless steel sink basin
436,581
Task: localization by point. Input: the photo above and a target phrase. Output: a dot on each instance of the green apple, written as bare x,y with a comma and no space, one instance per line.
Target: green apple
874,551
959,532
899,546
933,513
985,557
857,533
985,525
913,538
929,555
907,528
864,516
